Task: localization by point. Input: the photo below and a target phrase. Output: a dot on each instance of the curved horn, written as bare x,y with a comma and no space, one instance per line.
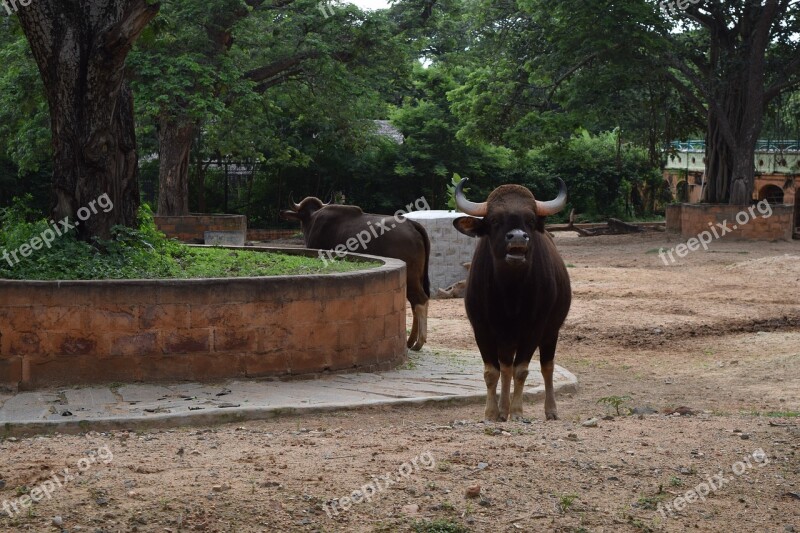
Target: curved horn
295,207
467,207
552,207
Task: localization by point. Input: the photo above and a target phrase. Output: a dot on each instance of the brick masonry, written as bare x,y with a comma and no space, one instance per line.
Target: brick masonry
450,249
263,235
192,228
692,219
82,332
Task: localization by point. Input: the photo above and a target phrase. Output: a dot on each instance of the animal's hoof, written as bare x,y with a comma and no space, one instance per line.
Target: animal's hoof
552,416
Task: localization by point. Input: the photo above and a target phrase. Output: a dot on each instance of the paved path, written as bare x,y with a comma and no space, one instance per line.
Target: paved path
429,376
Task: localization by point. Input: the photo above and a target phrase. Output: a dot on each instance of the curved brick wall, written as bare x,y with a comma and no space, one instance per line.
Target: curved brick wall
75,332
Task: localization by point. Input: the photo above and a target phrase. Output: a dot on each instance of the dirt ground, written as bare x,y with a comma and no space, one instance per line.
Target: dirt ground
713,339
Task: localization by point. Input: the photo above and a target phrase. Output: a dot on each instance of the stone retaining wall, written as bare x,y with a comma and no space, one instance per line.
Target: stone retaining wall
80,332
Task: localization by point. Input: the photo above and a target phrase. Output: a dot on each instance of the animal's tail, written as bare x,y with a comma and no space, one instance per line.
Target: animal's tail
426,280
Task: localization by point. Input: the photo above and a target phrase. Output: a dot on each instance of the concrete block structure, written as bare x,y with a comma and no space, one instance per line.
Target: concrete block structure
450,249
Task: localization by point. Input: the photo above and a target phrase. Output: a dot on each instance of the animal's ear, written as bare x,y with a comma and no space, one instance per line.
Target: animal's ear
290,215
470,226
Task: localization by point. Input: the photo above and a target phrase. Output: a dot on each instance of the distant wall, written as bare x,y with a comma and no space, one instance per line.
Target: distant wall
450,249
263,235
674,218
695,219
192,228
79,332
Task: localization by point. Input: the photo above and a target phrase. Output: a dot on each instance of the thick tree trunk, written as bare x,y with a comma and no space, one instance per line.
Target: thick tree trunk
730,158
174,147
80,48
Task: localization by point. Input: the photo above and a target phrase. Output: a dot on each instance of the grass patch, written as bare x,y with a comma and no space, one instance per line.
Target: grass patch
782,414
565,501
141,253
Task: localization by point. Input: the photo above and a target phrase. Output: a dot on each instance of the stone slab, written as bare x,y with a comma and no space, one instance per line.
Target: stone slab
432,377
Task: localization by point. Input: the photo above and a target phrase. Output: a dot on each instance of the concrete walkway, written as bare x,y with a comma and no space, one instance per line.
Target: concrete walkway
429,376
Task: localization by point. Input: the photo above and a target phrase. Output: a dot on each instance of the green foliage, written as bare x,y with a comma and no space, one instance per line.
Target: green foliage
614,402
142,253
565,502
451,191
601,174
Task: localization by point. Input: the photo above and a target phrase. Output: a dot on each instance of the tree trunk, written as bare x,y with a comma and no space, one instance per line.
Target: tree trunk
80,49
174,147
731,144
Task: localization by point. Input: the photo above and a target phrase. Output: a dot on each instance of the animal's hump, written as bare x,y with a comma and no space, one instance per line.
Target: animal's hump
509,191
344,210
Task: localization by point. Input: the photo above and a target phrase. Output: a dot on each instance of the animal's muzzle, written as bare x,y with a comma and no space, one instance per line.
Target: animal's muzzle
516,246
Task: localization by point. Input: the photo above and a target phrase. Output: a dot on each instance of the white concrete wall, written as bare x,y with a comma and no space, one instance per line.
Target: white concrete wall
450,249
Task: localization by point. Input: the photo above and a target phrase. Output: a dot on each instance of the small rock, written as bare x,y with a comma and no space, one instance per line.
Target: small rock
58,521
2,484
66,413
788,528
482,466
411,509
485,502
591,423
608,417
572,436
744,436
221,488
473,491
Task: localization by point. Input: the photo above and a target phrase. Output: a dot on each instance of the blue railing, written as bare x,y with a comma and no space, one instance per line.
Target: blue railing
699,145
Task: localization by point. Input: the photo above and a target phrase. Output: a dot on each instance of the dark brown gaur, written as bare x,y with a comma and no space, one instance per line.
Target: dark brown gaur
327,226
518,292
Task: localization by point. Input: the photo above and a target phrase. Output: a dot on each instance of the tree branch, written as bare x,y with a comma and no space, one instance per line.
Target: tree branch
277,67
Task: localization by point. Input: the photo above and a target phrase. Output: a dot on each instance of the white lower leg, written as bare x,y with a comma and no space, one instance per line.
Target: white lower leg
421,312
520,375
